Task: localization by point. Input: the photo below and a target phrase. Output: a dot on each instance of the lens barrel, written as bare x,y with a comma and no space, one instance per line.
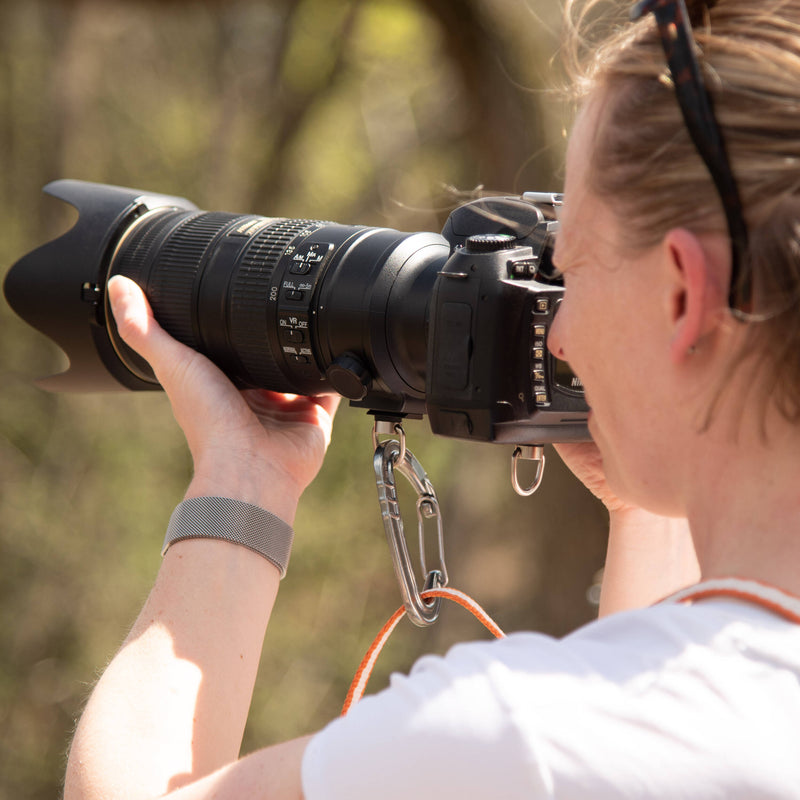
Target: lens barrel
451,326
292,305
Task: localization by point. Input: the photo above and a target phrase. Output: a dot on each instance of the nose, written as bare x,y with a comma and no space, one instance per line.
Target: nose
555,338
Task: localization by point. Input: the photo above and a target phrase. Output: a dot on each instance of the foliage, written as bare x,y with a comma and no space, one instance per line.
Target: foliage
359,111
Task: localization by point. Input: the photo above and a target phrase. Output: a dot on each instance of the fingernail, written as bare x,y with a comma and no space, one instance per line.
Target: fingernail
116,295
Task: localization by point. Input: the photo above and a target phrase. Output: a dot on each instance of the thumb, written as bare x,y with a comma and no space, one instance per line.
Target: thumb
138,328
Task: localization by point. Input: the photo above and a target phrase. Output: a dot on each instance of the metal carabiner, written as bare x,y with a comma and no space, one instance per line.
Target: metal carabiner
391,457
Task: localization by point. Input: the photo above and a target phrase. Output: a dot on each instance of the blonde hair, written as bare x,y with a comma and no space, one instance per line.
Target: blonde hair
647,169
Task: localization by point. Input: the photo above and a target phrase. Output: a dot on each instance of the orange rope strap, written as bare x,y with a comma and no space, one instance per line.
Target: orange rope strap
367,664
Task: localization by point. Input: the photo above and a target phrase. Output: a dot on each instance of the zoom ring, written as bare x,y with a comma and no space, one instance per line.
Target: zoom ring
250,320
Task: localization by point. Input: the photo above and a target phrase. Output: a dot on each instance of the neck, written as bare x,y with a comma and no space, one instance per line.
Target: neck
743,506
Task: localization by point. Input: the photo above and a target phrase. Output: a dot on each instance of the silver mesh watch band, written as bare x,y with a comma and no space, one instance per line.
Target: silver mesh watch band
234,521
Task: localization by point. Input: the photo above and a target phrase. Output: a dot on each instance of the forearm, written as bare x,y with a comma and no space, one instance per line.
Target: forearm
648,558
172,705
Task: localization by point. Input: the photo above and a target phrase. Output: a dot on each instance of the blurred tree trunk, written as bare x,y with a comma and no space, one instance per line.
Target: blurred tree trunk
295,104
504,120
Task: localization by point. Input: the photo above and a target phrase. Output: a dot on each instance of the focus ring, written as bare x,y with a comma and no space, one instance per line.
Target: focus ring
135,253
172,279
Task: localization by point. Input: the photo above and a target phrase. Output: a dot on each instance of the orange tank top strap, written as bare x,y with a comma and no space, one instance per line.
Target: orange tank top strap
765,595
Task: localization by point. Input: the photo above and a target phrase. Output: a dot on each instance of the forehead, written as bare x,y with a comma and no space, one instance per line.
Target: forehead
576,189
584,213
580,149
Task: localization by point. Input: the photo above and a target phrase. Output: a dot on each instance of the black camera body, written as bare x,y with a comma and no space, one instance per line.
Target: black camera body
454,326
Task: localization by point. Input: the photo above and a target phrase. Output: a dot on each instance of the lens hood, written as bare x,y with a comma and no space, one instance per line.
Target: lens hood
59,288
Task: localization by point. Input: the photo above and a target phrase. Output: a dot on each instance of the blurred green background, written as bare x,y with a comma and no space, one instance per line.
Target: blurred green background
370,111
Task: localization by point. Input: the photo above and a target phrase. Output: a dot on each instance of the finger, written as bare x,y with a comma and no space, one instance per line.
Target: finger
292,408
329,403
584,451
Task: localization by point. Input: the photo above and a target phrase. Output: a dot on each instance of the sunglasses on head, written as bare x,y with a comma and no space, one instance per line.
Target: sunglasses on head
675,29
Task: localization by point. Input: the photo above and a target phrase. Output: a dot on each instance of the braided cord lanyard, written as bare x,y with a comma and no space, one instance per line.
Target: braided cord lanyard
761,594
364,670
393,458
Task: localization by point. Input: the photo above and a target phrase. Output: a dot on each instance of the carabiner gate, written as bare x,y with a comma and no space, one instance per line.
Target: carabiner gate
391,457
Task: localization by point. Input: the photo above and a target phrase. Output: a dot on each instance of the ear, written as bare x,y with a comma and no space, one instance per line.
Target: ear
692,297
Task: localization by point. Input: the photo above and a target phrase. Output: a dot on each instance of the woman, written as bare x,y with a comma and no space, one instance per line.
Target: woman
681,316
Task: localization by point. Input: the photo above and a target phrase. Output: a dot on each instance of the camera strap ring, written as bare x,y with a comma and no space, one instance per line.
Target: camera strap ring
390,457
527,453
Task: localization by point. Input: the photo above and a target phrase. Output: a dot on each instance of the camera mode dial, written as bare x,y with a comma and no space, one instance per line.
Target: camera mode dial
490,242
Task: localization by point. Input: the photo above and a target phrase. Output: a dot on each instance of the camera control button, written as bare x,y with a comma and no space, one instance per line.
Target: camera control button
349,376
542,305
293,294
296,336
523,267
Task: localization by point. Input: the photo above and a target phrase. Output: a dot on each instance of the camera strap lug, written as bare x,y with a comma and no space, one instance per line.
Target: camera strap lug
389,427
527,453
392,457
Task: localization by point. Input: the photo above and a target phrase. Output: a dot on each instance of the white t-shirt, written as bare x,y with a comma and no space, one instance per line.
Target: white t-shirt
674,701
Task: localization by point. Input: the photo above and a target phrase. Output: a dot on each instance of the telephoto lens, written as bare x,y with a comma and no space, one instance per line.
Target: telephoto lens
452,325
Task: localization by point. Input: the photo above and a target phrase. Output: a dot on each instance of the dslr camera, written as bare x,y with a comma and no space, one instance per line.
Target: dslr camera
453,325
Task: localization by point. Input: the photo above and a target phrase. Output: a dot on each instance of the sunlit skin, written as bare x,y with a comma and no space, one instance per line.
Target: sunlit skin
260,447
613,329
627,331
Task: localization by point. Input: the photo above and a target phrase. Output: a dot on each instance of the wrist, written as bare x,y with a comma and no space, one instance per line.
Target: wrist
262,486
649,556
